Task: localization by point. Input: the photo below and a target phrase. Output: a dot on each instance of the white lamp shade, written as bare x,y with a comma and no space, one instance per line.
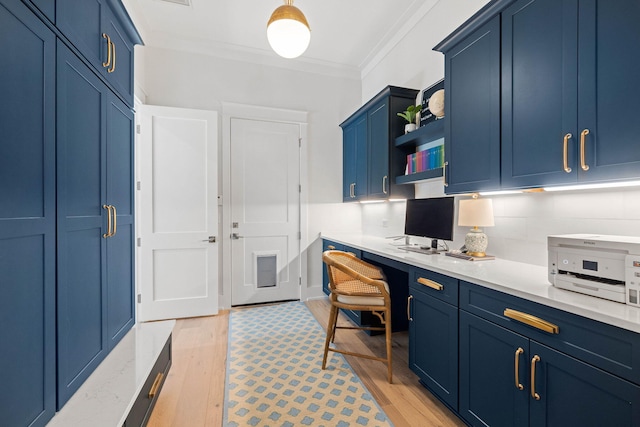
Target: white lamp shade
475,213
288,31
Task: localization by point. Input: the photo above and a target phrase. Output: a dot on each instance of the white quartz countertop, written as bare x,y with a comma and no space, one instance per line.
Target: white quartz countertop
106,397
515,278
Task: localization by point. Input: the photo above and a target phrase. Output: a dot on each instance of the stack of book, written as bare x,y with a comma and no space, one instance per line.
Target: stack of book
425,160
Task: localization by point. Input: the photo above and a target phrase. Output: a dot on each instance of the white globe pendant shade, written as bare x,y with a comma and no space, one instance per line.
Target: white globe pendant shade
288,31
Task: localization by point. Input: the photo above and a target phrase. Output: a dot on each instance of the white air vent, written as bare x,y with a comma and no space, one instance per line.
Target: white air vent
180,2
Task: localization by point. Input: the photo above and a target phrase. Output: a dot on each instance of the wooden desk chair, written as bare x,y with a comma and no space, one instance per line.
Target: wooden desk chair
357,285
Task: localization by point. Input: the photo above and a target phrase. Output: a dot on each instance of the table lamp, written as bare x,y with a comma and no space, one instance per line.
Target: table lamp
476,213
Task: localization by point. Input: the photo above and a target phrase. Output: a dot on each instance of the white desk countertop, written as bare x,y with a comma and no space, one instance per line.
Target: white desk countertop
107,396
515,278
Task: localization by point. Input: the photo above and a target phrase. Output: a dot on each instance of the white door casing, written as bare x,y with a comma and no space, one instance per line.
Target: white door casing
178,213
265,211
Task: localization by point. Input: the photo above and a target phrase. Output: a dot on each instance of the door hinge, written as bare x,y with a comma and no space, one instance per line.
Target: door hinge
299,188
139,241
300,142
138,185
139,298
299,235
138,129
300,281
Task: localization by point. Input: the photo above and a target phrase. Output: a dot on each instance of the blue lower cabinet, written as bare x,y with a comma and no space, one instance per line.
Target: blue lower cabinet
27,218
328,245
488,392
433,344
507,379
572,393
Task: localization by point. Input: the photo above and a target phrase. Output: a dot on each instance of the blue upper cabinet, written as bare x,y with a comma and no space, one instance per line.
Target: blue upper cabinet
27,218
566,95
539,93
371,162
47,7
472,112
354,159
103,33
608,93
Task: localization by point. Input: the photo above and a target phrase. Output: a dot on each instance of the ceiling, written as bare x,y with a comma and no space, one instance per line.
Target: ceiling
345,34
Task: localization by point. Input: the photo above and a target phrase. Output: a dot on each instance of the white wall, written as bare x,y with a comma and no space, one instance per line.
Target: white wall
190,80
522,222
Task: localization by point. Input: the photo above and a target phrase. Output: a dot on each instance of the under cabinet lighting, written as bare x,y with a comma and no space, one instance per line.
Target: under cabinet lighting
594,186
499,192
365,202
397,200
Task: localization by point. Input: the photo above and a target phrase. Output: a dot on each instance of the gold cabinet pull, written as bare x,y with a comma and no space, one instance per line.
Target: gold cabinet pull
113,64
430,283
535,359
115,221
352,190
384,184
444,173
409,308
531,320
565,153
583,137
108,233
156,385
106,37
519,353
331,247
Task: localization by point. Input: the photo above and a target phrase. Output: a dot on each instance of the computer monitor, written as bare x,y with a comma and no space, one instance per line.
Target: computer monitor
431,218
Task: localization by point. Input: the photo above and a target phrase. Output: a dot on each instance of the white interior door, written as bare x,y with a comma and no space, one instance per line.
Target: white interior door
265,211
178,213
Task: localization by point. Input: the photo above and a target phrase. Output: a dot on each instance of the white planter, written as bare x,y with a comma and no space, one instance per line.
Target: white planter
409,127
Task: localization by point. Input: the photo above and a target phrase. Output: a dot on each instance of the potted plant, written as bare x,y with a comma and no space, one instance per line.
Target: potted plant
410,116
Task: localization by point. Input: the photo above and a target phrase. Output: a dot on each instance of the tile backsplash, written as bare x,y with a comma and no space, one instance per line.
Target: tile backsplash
523,221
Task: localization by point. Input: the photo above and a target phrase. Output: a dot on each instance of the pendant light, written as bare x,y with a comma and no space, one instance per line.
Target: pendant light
288,31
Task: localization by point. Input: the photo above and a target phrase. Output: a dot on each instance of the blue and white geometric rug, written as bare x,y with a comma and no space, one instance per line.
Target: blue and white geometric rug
274,374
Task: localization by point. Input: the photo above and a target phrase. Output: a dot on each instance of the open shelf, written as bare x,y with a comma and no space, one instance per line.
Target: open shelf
423,135
419,176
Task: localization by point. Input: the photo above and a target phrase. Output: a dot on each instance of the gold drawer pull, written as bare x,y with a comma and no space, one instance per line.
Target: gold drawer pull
156,385
430,283
331,247
530,320
534,394
519,352
409,308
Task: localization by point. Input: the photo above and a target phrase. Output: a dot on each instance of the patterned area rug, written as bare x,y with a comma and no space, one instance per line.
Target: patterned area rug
274,375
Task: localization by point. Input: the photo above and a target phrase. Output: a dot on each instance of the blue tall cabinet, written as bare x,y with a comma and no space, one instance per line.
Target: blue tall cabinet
542,93
27,218
67,197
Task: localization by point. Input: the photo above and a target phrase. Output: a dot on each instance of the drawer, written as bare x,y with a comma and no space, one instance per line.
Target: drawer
437,285
141,410
610,348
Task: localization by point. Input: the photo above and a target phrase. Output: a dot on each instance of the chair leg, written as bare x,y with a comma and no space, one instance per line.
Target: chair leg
387,322
335,325
333,315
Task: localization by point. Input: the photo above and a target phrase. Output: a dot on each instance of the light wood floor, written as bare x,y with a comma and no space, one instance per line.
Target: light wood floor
193,393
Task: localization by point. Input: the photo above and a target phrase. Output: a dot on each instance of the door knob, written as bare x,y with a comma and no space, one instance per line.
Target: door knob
211,239
236,236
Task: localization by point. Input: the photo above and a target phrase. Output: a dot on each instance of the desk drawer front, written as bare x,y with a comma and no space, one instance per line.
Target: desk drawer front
437,285
613,349
141,410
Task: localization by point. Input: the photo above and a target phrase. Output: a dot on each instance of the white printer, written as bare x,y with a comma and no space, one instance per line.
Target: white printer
602,266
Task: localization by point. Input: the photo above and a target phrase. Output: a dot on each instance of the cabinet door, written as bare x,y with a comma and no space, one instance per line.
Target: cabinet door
81,21
120,194
47,7
539,92
472,112
378,135
354,163
27,218
574,393
120,72
433,345
81,163
488,392
608,95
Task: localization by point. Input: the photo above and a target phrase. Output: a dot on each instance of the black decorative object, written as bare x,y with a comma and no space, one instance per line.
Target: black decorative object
426,116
